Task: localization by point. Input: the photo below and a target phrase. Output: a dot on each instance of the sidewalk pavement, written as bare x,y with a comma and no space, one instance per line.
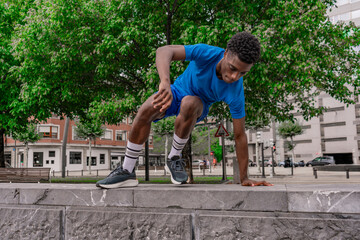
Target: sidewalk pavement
302,175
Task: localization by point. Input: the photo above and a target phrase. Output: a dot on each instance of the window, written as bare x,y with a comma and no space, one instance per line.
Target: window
107,135
38,159
357,110
120,135
51,153
102,158
75,157
48,131
93,161
335,109
334,124
52,161
47,161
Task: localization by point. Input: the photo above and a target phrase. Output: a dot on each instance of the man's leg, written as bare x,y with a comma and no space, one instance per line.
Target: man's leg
190,110
125,176
140,132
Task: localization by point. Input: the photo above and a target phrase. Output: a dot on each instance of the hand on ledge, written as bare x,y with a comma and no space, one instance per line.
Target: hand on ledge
252,183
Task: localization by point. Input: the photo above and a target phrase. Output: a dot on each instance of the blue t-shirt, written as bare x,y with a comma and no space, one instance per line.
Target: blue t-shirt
199,79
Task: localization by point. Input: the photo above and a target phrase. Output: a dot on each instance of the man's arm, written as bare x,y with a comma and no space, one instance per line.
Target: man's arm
164,56
242,154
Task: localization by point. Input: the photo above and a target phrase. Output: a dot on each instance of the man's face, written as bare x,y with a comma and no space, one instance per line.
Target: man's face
232,68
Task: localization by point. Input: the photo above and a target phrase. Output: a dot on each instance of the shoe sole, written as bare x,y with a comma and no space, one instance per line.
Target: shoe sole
172,179
127,183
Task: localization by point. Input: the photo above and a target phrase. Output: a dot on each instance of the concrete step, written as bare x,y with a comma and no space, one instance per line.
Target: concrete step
154,211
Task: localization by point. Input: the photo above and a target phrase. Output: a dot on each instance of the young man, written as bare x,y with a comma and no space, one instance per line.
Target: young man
213,75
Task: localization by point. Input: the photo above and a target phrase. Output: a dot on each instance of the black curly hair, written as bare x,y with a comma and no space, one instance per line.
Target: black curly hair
245,46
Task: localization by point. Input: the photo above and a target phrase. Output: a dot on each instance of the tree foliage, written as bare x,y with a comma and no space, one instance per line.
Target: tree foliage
164,127
89,129
289,129
12,119
100,54
27,135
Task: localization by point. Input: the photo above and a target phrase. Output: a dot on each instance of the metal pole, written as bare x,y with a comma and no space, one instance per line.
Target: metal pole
209,148
223,156
147,160
272,161
66,130
263,162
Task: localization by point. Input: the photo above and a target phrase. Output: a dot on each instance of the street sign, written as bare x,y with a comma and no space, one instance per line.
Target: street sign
221,131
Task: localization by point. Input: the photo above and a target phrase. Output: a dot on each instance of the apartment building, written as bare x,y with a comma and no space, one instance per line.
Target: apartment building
107,151
336,132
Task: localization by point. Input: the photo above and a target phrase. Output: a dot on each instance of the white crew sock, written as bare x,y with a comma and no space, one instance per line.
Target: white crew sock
177,146
131,155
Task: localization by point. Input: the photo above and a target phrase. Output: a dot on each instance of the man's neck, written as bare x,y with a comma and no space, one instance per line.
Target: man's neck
218,69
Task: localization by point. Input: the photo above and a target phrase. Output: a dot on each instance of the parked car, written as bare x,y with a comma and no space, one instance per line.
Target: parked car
289,163
321,161
252,164
281,164
270,163
301,163
266,162
197,163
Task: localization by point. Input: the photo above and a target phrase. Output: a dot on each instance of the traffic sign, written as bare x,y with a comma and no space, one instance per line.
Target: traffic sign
221,131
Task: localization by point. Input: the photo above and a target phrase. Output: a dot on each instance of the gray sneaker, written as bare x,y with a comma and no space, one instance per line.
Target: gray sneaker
119,178
176,167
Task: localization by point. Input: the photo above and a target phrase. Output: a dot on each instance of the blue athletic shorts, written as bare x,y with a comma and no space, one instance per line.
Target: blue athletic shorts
174,108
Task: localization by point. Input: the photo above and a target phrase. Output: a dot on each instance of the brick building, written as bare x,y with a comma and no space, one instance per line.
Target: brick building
107,151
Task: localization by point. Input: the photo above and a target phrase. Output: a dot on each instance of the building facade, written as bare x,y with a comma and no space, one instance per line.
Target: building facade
106,152
336,132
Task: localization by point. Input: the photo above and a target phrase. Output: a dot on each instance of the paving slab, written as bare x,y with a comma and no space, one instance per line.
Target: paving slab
64,194
335,198
82,223
247,225
29,222
211,196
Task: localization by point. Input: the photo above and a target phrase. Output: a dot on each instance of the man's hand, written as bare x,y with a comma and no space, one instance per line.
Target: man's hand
251,183
163,97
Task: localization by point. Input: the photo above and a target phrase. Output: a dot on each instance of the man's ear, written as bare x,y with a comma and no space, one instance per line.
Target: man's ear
226,53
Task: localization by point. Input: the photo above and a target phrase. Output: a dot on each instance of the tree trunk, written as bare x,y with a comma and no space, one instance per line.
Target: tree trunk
166,150
26,155
186,154
63,147
2,148
292,157
90,160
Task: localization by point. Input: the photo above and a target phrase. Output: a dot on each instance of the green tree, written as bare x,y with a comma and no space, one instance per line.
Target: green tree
27,135
287,130
164,128
89,129
12,13
100,54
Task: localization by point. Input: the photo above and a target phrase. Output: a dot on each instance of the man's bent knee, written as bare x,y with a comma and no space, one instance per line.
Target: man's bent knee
191,106
148,113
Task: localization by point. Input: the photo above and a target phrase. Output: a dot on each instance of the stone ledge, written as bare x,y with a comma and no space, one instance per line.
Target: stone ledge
82,211
280,198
